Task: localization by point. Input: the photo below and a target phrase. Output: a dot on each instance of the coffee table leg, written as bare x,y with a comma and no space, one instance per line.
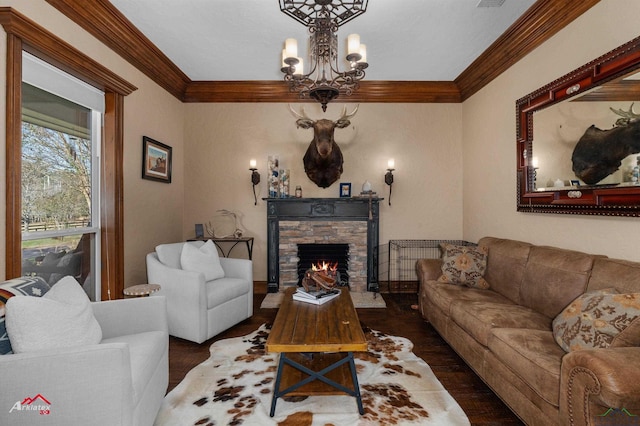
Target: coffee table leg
356,385
276,389
316,375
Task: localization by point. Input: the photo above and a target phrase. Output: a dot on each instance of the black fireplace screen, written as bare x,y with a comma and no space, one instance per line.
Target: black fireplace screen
314,254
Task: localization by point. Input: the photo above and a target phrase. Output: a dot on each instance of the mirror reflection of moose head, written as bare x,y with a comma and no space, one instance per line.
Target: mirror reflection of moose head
599,153
323,159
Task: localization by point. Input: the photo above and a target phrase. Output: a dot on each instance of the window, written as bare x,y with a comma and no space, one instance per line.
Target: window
60,176
25,35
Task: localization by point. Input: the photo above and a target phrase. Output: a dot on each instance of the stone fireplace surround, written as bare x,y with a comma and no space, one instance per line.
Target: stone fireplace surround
293,221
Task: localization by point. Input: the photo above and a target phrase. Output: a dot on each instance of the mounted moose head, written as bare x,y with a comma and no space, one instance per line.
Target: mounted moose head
323,159
599,152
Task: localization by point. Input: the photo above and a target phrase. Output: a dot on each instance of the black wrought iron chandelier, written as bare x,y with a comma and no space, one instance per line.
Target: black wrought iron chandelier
324,82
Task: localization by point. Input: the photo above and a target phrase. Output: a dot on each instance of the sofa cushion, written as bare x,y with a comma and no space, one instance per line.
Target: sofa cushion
533,355
63,317
479,318
23,286
624,275
506,263
145,351
442,295
225,289
203,259
464,265
169,254
553,278
599,319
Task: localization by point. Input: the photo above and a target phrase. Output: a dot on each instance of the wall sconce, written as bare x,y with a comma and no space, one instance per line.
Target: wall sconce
255,179
535,164
388,177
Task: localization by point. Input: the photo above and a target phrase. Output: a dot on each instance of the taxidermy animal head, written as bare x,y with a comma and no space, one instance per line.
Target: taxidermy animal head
323,159
599,152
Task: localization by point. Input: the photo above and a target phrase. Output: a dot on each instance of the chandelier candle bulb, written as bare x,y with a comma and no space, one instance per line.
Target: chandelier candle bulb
363,53
353,44
299,67
291,48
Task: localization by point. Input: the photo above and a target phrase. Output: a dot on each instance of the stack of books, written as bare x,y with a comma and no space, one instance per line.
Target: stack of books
315,297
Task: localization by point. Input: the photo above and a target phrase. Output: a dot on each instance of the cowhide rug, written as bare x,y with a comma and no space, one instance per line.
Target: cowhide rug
234,387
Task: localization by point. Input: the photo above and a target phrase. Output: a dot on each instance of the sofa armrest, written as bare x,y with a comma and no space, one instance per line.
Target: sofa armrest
131,316
89,385
186,298
237,268
595,380
428,269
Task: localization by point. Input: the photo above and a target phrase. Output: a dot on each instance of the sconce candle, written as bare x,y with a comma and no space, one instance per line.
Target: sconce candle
388,177
255,179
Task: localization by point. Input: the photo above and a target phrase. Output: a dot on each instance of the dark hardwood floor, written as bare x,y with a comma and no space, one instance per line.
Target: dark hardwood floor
478,402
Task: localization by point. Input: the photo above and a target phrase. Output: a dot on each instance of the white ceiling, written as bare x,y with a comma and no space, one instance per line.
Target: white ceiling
412,40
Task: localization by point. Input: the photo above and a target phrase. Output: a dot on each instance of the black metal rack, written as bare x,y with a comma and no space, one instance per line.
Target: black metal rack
403,255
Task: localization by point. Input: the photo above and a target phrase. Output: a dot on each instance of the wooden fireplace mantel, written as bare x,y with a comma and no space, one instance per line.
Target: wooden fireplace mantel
322,209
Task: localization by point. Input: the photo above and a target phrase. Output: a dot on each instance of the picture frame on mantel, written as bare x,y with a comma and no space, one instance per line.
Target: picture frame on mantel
156,160
345,190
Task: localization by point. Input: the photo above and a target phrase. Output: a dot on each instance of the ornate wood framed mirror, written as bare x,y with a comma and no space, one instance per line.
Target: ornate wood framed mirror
578,139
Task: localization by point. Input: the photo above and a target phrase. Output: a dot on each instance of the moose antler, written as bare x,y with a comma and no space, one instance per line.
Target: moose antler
343,121
627,116
303,119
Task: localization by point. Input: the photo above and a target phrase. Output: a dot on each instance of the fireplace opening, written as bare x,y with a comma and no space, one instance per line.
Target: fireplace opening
317,254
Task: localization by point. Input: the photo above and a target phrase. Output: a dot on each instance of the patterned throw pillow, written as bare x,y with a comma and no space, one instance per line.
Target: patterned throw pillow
23,286
599,319
464,265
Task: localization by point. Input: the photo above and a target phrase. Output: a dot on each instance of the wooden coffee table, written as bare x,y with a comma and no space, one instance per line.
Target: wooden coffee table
316,345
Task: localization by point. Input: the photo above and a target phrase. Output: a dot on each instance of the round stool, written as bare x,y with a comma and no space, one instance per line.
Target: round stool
141,290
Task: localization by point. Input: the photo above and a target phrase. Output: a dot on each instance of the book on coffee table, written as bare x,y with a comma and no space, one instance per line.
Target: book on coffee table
315,297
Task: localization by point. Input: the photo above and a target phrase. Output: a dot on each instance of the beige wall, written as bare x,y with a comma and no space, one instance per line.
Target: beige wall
424,139
490,151
152,211
434,145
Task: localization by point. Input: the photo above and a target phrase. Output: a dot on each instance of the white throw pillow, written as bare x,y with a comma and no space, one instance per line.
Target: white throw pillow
203,259
62,318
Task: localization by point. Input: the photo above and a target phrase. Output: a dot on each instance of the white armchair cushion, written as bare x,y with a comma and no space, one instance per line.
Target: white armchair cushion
63,317
169,254
203,259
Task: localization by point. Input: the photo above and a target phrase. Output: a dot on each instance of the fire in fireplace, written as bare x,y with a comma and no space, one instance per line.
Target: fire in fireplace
333,257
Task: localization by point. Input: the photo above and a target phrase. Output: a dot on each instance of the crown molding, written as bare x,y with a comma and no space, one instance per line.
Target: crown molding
278,91
543,20
37,40
101,19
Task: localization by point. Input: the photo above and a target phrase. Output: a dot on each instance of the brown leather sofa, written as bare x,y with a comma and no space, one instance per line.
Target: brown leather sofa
505,333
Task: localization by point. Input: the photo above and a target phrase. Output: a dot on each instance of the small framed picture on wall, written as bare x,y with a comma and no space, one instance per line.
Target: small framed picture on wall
345,189
156,160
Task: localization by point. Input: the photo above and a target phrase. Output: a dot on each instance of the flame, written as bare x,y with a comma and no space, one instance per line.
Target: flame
325,267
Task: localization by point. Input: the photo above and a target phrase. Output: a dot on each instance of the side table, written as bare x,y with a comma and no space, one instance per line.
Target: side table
235,241
141,290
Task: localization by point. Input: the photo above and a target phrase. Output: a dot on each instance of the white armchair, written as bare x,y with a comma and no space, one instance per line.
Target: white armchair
119,382
198,309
